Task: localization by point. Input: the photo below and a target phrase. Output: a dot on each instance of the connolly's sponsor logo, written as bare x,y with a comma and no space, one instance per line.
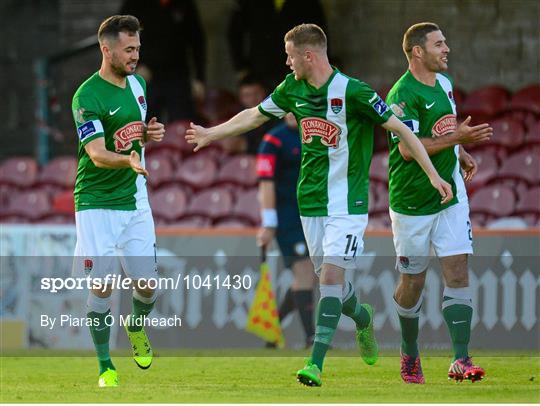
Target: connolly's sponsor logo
318,127
127,134
444,125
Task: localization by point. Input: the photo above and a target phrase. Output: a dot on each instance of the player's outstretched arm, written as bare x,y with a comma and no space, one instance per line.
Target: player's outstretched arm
243,122
464,134
103,158
419,153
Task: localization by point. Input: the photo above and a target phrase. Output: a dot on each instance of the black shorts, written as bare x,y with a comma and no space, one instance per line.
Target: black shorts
291,241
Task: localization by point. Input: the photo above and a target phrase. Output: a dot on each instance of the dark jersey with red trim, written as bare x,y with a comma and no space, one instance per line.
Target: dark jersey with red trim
278,159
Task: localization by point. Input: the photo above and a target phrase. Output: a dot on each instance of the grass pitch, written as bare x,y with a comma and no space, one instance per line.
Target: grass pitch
263,377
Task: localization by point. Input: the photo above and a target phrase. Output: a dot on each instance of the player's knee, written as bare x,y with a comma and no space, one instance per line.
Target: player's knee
98,304
413,283
457,279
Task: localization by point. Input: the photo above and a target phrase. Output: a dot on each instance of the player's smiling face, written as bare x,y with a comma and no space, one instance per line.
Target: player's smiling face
295,60
125,54
435,56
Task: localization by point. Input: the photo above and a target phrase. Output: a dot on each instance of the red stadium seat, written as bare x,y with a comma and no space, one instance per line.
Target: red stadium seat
219,105
496,200
160,170
379,167
533,134
29,204
198,171
485,103
378,204
169,203
508,133
18,171
527,99
529,202
60,171
487,168
239,170
247,206
214,203
63,203
175,133
524,165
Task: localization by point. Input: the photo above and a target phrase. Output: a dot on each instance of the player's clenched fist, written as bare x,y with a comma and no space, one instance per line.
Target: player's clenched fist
155,131
197,135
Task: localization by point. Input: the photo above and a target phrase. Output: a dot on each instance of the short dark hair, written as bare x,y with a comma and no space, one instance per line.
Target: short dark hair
112,26
251,80
307,34
416,36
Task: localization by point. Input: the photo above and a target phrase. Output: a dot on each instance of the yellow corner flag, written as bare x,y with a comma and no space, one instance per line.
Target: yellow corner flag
263,319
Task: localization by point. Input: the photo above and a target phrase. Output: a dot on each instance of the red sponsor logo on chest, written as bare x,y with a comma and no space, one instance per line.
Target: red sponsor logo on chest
444,125
318,127
124,136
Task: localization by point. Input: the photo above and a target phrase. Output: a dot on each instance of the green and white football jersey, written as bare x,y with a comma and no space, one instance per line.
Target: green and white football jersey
429,112
336,125
101,109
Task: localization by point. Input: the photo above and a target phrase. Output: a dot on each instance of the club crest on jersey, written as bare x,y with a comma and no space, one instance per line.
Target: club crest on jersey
142,102
404,261
124,137
318,127
88,265
444,125
336,105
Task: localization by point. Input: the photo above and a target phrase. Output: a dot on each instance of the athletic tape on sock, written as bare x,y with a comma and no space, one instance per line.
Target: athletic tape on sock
460,296
331,291
411,313
98,304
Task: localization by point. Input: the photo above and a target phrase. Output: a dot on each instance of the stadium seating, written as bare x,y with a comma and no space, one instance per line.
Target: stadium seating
507,133
63,203
379,167
523,165
169,203
493,201
19,171
61,171
219,105
529,204
32,205
197,171
485,103
533,134
239,170
247,206
160,170
174,139
487,169
214,203
527,98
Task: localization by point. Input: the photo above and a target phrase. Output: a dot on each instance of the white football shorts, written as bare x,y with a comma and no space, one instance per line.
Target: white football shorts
105,235
335,240
447,232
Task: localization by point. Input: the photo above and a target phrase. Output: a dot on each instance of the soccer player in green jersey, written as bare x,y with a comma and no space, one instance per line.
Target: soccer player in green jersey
112,214
423,99
336,115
